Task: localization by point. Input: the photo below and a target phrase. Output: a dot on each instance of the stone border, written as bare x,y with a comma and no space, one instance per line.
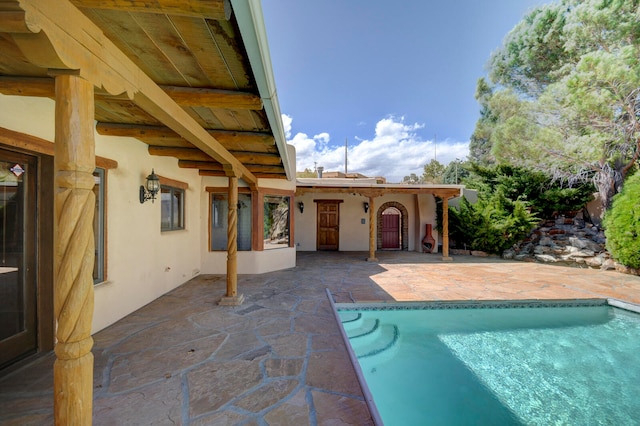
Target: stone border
366,392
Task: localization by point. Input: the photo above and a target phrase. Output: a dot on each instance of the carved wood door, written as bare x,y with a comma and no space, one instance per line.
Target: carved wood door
328,233
390,231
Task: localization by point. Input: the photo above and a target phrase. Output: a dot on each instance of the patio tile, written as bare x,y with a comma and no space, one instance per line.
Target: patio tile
278,359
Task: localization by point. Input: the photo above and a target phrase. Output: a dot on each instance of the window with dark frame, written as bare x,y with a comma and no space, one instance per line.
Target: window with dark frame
277,221
99,226
219,222
172,208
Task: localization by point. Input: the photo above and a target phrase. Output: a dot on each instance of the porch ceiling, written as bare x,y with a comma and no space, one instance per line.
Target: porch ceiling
193,50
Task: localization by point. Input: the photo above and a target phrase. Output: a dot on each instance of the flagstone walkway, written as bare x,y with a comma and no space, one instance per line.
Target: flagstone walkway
279,358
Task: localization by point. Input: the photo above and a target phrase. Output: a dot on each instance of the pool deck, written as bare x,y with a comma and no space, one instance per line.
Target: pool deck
279,358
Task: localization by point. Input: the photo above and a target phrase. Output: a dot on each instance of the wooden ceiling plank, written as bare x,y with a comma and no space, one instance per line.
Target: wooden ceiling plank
167,40
207,54
125,32
260,175
212,9
232,51
65,38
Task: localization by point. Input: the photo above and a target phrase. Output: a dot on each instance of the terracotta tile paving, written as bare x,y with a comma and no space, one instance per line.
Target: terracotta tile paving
279,358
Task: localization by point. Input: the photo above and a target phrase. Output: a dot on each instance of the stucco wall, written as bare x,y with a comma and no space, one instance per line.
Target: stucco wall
144,263
354,222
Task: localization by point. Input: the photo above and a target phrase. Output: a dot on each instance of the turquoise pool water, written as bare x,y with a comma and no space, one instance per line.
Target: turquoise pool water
499,365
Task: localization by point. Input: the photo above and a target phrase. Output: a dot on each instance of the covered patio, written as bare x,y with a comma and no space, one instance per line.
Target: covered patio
279,358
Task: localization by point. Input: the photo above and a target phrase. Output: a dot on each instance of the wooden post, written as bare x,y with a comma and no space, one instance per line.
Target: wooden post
445,229
232,298
372,231
75,203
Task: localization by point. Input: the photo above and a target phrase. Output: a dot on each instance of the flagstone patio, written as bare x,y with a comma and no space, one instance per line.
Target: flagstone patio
279,358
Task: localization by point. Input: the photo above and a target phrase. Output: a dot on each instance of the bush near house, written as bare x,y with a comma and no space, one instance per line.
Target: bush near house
511,201
491,225
622,224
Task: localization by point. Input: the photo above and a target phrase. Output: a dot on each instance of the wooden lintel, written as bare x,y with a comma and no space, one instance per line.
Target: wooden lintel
183,96
260,175
194,154
204,165
210,9
377,192
213,98
164,136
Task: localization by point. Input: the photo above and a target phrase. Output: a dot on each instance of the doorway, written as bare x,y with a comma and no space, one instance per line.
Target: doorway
391,229
18,268
328,232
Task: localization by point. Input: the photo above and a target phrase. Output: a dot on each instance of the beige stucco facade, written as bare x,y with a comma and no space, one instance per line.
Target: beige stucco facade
143,263
416,210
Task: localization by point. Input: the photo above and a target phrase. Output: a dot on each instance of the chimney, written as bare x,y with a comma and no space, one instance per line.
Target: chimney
320,170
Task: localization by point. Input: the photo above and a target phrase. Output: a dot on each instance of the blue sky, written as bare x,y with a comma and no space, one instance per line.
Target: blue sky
394,79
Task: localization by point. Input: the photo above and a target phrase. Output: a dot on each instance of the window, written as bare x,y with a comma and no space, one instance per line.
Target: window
172,208
219,221
276,221
99,226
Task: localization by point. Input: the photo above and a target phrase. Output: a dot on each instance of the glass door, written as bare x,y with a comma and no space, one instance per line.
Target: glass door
18,331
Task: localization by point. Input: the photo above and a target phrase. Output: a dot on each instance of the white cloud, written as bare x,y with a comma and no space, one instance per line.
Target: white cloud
395,151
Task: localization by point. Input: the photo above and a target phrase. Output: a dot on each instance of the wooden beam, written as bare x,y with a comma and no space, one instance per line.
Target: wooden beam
64,38
183,96
210,9
205,165
163,136
213,98
214,173
197,155
371,191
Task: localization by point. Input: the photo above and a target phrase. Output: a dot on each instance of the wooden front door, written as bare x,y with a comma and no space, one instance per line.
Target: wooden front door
390,231
328,225
18,327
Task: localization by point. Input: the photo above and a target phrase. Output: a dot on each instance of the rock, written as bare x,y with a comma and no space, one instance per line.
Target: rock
583,243
545,241
593,262
479,253
608,265
546,258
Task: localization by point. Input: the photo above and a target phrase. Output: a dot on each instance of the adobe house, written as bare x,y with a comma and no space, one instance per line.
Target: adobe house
366,214
99,98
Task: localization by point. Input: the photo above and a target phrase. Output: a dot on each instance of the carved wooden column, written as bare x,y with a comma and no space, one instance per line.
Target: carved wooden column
445,229
232,297
74,250
372,231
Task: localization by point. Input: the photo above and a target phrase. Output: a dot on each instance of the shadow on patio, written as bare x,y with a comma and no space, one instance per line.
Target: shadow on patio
279,358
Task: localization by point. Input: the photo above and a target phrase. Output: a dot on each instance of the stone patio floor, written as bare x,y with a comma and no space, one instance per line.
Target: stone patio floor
279,358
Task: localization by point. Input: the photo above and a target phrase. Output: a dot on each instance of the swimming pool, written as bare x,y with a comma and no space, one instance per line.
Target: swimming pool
533,363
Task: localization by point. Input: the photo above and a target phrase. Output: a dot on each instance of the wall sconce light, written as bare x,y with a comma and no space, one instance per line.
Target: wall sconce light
366,206
301,206
151,188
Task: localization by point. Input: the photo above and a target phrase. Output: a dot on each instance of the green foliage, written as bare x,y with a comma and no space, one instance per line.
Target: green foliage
433,172
510,202
564,94
491,225
622,224
544,196
455,172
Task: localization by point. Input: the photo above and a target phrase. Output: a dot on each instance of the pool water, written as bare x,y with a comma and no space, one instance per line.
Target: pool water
499,365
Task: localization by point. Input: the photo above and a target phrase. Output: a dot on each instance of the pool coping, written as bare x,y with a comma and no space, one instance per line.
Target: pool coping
452,304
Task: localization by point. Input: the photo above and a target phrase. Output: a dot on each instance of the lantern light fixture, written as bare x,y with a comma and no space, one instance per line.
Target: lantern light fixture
150,189
301,206
365,205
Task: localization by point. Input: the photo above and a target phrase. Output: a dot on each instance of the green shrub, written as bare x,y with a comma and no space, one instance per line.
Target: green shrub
491,225
622,224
